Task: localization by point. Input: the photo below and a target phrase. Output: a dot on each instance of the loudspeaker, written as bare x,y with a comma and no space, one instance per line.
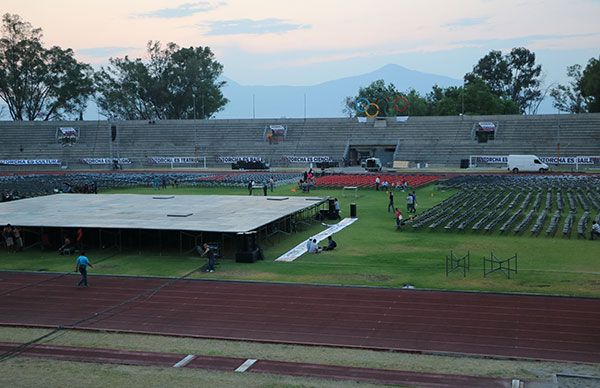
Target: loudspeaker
246,241
113,132
248,257
248,250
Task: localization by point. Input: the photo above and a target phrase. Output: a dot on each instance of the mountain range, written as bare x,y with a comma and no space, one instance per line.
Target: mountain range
321,100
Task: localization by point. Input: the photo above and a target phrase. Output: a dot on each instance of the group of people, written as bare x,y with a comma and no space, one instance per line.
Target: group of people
313,247
307,181
385,185
411,202
83,262
411,207
12,238
266,185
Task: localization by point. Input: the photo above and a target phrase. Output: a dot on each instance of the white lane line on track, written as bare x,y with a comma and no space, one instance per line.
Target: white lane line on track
246,365
184,361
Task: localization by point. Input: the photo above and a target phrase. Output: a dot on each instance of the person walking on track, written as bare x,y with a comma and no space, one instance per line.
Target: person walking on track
81,265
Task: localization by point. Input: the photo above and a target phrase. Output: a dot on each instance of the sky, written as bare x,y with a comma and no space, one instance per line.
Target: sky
293,42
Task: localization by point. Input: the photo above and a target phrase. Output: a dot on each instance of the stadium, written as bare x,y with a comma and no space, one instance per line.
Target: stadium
418,141
491,281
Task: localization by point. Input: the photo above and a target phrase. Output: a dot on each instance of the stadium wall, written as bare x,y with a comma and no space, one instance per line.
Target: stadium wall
438,141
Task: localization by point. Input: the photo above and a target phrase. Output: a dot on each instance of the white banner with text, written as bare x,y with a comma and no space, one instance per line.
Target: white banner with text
25,162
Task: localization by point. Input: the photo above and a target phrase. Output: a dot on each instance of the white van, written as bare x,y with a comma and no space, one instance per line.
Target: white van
523,163
373,164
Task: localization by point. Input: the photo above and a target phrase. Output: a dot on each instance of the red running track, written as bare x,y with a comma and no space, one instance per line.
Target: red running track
230,364
526,327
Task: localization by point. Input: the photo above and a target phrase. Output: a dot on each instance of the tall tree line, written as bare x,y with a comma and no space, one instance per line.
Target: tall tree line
498,84
39,83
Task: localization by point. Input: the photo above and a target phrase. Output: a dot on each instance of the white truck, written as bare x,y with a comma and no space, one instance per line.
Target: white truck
373,164
526,163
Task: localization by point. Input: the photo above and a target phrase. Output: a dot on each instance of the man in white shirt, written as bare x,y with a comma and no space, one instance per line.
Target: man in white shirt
309,244
314,247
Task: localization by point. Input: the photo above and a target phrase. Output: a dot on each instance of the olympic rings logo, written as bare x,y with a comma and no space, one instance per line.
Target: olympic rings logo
372,109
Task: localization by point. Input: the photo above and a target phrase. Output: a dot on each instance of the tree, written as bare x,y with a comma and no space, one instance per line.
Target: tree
514,76
418,105
590,85
40,83
568,98
445,102
173,83
480,100
475,98
376,93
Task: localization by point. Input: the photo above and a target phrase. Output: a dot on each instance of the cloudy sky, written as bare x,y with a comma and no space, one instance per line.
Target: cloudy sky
292,42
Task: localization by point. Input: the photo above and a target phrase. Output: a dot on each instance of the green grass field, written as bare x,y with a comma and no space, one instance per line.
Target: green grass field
371,252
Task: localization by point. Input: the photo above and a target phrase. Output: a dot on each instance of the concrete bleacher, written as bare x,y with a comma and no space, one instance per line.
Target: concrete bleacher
441,141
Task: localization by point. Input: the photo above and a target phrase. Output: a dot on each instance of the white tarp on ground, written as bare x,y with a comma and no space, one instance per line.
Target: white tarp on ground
300,249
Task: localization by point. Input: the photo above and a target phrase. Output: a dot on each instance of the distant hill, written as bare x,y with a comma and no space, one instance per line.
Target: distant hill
322,100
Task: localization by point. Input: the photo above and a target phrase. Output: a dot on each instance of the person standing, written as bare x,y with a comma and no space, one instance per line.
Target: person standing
7,234
398,215
79,239
391,198
409,202
414,202
81,265
265,188
377,183
18,238
208,252
336,206
271,183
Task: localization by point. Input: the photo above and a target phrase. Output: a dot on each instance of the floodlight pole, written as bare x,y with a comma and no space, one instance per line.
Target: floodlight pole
202,97
304,106
557,139
194,97
462,99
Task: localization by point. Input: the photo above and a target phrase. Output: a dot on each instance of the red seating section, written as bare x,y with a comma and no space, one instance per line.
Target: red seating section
369,180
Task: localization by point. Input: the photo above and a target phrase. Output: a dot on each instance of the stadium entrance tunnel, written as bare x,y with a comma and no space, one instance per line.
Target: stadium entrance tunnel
360,152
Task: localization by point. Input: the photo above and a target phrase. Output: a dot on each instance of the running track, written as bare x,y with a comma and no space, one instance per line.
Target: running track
230,364
524,327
